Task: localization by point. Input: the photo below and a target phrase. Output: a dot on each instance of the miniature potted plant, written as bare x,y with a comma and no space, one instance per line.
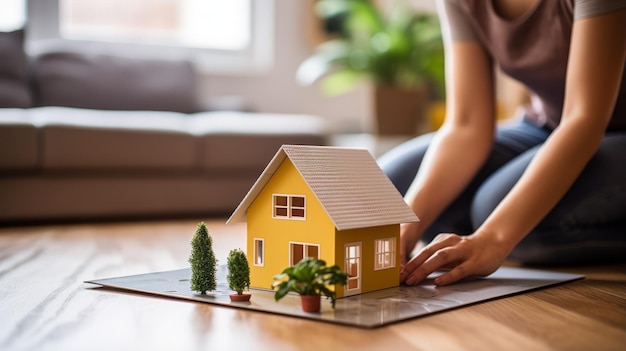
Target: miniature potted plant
310,278
203,262
238,275
400,51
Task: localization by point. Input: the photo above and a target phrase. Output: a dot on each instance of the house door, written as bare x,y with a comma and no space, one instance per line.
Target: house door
353,268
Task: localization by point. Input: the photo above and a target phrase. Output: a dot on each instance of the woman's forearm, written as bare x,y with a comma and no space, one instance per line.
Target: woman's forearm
546,180
452,160
595,68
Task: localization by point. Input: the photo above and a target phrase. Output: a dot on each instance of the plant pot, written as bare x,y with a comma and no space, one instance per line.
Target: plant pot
311,303
240,297
400,111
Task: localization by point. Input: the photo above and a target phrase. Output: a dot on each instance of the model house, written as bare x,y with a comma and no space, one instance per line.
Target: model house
330,203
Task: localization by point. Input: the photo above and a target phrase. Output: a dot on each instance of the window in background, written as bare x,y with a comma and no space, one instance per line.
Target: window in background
12,15
209,24
233,36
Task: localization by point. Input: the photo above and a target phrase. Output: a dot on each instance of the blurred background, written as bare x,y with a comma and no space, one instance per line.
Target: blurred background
131,108
245,51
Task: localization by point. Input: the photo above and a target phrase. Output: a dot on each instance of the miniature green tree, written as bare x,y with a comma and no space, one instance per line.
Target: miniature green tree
203,262
238,271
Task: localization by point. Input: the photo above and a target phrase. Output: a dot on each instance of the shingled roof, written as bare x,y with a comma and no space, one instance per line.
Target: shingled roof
347,182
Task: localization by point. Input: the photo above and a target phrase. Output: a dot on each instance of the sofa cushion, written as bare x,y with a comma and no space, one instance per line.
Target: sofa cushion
18,141
14,86
79,139
235,141
97,81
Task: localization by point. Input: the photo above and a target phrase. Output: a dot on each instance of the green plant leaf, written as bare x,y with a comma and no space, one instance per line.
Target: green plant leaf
309,277
363,20
330,8
402,48
340,82
328,57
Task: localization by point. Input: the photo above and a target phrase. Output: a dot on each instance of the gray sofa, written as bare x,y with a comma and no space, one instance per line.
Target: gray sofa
93,136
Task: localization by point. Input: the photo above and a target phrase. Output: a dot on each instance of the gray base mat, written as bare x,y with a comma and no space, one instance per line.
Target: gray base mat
368,310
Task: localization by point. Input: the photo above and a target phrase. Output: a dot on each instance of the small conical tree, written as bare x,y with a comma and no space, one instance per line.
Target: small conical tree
203,262
238,271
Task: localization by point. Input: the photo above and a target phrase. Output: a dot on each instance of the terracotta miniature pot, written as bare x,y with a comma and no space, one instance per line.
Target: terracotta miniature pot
242,297
311,303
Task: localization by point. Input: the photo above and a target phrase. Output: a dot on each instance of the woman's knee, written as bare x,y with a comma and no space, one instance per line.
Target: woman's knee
497,186
589,222
401,163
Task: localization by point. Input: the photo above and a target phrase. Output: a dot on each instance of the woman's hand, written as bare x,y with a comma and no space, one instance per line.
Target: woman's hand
472,255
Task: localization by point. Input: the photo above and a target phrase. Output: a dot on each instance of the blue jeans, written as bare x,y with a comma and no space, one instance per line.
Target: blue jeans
588,225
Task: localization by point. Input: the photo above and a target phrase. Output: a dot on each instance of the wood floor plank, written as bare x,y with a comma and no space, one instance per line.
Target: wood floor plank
44,304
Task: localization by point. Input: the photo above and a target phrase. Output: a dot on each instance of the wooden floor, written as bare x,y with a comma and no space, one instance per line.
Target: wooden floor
44,304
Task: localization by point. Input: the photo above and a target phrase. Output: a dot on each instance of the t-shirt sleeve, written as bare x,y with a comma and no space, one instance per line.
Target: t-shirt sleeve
590,8
454,21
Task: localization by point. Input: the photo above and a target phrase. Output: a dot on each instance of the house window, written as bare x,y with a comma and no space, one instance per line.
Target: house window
289,207
384,253
234,36
258,252
298,251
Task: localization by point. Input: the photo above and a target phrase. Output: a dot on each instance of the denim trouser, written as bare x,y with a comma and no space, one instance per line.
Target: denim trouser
588,225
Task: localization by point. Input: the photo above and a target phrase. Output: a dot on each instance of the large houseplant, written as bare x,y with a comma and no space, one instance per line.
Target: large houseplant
400,51
311,279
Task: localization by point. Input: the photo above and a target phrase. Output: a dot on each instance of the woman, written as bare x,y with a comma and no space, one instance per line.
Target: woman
550,189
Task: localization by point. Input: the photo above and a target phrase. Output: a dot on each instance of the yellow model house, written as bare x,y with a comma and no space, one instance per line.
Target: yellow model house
329,203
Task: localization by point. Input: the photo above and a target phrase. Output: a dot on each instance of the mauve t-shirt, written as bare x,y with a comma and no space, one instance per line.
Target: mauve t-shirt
532,49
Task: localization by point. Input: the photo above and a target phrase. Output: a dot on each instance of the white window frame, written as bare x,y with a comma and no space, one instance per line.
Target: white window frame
259,257
289,207
384,259
43,23
305,250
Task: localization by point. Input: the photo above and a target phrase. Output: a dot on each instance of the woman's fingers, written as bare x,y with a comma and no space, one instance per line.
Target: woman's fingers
435,255
454,275
463,255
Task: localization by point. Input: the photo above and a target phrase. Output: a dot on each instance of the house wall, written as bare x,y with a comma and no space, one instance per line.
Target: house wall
371,279
278,233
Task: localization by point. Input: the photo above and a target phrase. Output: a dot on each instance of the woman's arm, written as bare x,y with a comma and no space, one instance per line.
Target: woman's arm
595,68
461,145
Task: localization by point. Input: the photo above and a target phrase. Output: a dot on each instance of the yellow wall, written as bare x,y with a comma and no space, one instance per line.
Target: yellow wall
371,280
278,233
316,229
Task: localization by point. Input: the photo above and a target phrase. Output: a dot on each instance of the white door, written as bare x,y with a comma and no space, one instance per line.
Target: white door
353,268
